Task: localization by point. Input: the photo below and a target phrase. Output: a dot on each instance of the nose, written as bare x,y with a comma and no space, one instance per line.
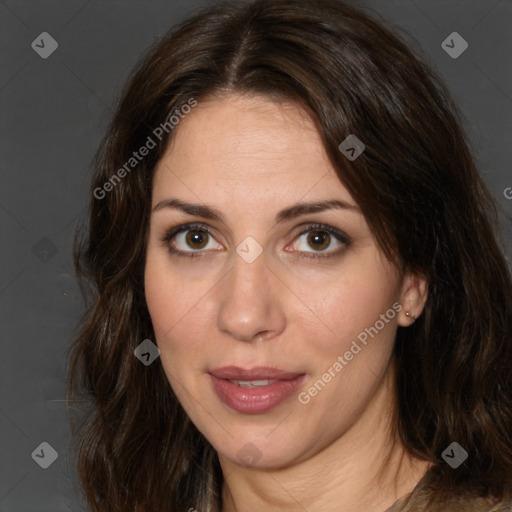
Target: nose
250,307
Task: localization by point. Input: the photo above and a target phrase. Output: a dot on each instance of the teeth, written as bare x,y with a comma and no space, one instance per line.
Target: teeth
252,383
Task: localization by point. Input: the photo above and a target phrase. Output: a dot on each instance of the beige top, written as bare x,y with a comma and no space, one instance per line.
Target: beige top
421,500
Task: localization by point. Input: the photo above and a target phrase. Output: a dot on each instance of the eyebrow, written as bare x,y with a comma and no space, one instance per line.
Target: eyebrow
295,210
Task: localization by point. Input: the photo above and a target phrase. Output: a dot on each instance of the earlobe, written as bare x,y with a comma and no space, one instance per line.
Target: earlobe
413,297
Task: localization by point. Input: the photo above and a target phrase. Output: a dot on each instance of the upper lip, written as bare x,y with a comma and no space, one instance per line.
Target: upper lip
256,373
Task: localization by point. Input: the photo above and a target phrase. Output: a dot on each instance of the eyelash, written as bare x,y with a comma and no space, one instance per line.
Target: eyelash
339,235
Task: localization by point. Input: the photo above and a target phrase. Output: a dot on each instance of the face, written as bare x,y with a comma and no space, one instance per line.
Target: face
251,284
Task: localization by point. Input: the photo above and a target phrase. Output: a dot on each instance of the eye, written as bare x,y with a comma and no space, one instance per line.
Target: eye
189,239
320,237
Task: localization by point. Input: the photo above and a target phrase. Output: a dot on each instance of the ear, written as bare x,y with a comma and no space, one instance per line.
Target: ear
413,295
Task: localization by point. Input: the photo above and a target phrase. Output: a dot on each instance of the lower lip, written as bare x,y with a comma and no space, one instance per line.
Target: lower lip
255,400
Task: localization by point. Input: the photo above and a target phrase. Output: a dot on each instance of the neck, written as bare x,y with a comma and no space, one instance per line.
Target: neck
365,469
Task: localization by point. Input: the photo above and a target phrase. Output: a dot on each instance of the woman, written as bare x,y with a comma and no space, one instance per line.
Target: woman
298,300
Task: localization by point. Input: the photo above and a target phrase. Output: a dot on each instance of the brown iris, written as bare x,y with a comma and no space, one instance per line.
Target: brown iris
318,240
197,238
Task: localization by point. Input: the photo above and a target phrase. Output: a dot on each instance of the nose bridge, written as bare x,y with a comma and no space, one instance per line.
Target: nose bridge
249,261
246,283
247,308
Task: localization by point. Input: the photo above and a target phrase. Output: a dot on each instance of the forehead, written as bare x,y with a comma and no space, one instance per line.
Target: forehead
249,144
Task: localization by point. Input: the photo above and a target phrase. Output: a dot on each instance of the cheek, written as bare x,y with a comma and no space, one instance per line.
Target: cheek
167,295
162,292
348,303
176,305
168,304
348,363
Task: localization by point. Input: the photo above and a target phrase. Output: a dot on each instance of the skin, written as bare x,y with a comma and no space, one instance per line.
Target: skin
249,158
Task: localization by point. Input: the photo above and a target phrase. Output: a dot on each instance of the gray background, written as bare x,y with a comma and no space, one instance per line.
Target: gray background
53,113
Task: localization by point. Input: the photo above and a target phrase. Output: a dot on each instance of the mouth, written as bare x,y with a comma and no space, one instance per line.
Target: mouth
256,390
257,373
252,384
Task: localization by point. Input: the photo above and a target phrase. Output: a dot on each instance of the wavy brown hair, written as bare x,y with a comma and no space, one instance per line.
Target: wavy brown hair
421,195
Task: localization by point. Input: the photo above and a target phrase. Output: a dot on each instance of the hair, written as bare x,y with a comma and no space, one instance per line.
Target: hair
419,190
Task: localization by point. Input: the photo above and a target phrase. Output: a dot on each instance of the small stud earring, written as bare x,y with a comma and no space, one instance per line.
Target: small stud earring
412,316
